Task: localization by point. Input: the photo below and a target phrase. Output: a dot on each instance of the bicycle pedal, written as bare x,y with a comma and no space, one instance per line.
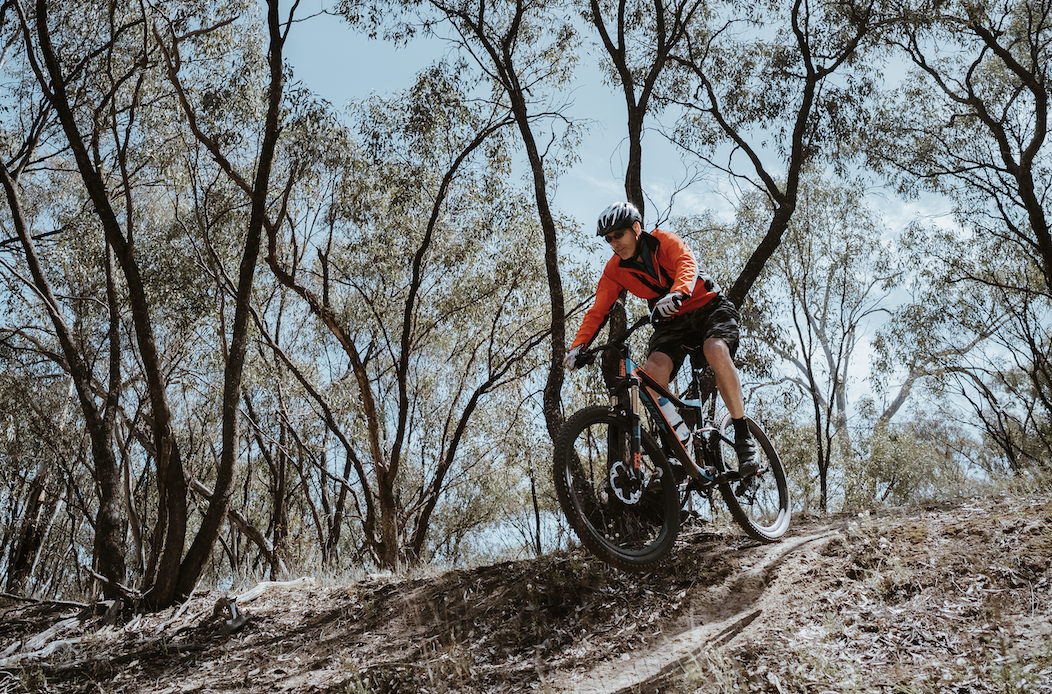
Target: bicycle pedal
745,486
728,476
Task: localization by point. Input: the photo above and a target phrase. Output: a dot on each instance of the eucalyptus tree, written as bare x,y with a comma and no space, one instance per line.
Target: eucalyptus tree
980,344
970,120
763,101
182,39
54,82
65,324
468,324
836,273
526,50
925,456
39,432
832,276
99,418
639,38
101,72
32,486
404,242
970,123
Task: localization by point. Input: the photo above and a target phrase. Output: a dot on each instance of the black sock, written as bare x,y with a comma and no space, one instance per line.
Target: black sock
741,429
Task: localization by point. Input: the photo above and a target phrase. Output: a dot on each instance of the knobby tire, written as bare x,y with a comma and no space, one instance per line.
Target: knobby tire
632,536
760,505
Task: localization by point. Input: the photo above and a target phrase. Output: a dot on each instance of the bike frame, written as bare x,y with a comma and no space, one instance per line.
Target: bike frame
705,433
641,389
622,496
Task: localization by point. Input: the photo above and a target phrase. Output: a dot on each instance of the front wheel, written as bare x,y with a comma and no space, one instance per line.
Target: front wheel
759,503
627,518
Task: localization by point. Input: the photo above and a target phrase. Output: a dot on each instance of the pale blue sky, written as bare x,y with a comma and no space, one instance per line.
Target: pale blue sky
342,65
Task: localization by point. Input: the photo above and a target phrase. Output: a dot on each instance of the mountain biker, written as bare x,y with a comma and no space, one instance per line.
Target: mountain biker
687,309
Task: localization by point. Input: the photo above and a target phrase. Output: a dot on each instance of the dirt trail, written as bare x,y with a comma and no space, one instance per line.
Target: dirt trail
949,597
717,615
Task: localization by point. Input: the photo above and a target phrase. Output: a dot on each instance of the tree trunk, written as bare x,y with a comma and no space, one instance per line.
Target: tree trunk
389,551
41,505
170,532
109,522
763,252
552,399
215,515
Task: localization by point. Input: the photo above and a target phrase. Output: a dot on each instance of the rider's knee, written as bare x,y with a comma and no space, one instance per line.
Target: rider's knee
716,351
659,366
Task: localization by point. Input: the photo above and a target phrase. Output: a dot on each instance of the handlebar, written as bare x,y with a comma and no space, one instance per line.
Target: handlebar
587,356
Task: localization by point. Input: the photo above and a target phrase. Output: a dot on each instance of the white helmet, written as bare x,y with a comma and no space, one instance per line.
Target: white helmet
620,215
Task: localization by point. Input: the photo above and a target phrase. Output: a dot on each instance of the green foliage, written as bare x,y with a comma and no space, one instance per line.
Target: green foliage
758,64
924,458
406,218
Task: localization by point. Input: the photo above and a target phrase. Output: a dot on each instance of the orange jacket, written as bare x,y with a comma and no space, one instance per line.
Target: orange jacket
664,264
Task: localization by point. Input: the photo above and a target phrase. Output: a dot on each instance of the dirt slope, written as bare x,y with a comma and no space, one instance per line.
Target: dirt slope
954,598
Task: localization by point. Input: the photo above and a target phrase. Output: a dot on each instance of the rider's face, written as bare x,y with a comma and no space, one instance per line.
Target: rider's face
624,242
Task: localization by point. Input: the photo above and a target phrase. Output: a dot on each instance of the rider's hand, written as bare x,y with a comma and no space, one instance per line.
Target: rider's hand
570,362
666,306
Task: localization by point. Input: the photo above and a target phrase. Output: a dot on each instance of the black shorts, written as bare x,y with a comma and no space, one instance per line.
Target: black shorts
685,334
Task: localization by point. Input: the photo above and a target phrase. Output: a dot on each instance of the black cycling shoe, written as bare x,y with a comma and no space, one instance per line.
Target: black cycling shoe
746,450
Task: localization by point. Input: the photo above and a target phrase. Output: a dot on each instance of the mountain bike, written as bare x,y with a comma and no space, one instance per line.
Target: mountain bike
623,477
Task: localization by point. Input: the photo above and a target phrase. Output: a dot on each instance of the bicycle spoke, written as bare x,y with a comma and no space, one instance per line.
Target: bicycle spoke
628,518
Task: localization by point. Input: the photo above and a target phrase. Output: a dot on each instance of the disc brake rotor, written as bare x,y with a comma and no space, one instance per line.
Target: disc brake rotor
625,484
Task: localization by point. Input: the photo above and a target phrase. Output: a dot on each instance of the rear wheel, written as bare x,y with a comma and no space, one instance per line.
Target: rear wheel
628,520
759,503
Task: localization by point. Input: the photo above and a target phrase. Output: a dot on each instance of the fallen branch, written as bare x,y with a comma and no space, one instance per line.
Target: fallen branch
263,586
37,601
236,618
40,646
44,637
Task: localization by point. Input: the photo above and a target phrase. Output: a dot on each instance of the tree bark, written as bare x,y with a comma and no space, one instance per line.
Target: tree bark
219,505
170,531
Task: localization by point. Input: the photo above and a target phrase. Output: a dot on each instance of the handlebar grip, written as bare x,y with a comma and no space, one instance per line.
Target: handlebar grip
586,359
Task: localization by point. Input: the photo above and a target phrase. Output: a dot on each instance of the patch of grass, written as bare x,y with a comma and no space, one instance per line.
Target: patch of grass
712,671
996,668
808,670
451,664
355,683
802,671
27,680
356,686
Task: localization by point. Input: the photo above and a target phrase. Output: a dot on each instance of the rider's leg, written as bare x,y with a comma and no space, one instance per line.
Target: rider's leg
718,355
659,367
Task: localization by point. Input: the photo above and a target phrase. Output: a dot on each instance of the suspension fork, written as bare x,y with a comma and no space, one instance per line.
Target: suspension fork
633,456
636,426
